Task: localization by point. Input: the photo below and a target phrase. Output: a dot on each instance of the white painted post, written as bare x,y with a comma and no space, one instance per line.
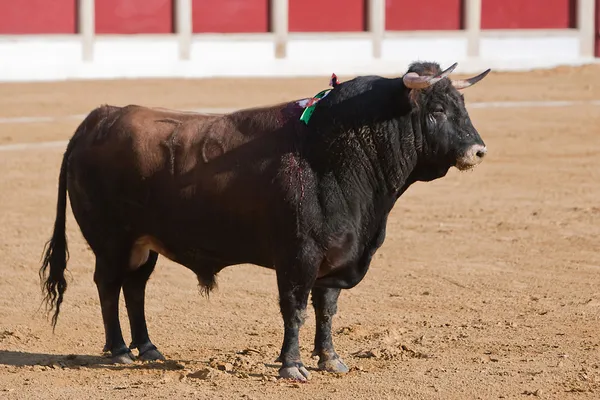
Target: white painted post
87,28
376,24
183,27
279,26
472,20
586,20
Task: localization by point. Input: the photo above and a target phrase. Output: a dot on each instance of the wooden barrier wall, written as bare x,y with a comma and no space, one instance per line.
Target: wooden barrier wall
327,16
408,15
245,16
37,16
231,16
528,14
134,16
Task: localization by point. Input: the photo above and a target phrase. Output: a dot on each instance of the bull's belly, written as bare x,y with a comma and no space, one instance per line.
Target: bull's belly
197,247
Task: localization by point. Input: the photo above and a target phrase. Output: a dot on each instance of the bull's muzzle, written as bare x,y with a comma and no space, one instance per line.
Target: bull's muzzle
472,157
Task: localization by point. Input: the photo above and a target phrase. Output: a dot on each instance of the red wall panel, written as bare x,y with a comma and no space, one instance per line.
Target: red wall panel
134,16
408,15
230,16
37,16
529,14
326,15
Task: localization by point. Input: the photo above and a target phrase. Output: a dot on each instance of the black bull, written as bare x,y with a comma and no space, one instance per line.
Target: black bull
255,186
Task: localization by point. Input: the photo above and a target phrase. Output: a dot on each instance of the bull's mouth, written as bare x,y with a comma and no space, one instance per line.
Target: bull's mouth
465,167
471,158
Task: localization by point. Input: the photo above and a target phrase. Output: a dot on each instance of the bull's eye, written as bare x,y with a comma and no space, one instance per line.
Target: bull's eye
438,114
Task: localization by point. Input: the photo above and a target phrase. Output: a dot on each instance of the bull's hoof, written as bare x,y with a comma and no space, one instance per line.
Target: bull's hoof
152,355
334,365
297,372
125,358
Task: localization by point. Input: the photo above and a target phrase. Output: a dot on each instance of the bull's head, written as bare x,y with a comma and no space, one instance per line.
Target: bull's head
449,138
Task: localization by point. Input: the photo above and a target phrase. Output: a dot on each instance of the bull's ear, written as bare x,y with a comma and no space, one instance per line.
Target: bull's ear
465,83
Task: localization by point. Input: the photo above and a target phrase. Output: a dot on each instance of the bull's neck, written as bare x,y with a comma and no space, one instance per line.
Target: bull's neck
378,156
427,166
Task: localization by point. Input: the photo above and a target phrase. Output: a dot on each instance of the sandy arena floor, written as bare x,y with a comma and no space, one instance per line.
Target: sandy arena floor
487,287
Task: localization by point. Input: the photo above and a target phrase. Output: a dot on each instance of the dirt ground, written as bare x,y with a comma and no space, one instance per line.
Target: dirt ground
487,286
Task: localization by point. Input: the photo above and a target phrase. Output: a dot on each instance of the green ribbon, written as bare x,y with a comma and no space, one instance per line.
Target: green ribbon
308,111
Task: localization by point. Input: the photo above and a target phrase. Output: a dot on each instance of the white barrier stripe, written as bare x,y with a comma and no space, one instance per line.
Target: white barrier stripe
63,143
26,120
80,117
34,145
528,104
484,104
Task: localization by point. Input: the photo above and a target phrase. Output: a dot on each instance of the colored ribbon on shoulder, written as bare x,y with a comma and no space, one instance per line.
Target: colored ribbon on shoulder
311,104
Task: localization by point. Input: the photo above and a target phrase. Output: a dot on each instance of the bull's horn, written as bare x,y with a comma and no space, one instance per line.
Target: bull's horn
448,71
412,80
465,83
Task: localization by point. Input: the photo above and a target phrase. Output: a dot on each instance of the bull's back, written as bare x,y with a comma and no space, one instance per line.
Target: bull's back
174,176
137,135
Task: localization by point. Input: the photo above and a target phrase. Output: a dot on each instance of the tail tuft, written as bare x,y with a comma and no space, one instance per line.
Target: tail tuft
56,252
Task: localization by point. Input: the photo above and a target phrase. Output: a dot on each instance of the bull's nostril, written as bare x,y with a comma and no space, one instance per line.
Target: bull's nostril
481,153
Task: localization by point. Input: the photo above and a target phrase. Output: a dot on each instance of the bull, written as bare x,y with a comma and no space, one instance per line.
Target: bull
308,199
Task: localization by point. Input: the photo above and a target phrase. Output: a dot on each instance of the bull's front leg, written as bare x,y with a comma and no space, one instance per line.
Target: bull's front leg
325,303
294,286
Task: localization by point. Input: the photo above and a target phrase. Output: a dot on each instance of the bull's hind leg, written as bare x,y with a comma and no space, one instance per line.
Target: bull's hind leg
325,305
109,279
134,290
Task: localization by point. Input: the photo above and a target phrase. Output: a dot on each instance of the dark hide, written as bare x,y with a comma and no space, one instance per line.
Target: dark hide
254,186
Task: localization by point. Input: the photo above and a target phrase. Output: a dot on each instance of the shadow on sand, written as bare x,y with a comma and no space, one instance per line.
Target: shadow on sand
75,361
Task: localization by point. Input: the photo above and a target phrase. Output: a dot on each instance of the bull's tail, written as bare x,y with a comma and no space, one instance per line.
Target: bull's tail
56,253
